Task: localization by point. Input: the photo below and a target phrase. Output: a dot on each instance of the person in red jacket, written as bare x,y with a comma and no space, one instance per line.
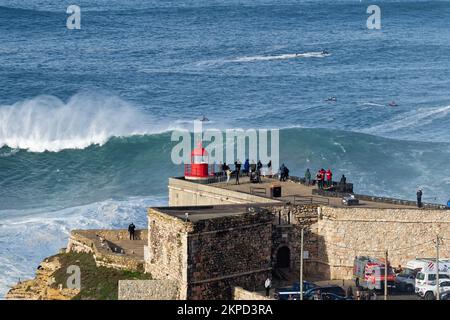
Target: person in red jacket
329,175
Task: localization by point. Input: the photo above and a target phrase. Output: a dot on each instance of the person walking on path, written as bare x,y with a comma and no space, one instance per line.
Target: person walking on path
308,177
131,229
268,285
419,198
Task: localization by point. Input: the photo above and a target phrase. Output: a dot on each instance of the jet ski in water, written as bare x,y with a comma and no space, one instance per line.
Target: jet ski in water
331,99
393,104
325,52
204,119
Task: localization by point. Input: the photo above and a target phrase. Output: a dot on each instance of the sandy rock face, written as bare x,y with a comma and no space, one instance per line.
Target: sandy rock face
40,288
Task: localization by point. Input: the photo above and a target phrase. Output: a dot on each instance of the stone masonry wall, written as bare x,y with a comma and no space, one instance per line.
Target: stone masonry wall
405,233
167,246
288,222
228,251
147,290
95,242
186,193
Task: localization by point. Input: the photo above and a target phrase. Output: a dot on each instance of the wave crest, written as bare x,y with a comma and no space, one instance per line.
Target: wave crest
46,123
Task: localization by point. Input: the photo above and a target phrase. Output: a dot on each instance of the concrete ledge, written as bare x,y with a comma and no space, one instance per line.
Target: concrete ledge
240,293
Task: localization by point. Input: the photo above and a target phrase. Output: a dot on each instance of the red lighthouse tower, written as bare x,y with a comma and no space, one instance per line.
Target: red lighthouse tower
198,168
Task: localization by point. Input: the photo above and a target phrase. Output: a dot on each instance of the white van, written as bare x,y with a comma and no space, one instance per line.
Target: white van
426,278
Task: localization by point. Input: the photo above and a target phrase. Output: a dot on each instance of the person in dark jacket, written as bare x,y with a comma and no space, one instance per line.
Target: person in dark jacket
259,166
246,166
131,229
237,164
419,198
319,178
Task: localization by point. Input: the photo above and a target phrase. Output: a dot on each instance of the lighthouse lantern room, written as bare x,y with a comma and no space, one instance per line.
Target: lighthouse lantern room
198,168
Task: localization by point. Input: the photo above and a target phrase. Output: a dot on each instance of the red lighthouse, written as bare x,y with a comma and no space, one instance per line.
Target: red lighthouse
198,168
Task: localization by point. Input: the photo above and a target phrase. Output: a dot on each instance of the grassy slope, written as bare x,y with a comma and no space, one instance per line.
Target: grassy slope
97,283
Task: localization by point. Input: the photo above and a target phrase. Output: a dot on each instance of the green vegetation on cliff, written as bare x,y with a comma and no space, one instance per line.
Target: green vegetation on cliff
97,283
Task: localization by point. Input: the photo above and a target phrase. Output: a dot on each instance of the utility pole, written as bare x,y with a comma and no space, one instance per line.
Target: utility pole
437,268
301,266
385,274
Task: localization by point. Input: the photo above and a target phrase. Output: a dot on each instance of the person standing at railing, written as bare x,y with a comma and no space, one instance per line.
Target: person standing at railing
237,165
228,171
308,177
419,198
329,175
131,229
246,166
319,179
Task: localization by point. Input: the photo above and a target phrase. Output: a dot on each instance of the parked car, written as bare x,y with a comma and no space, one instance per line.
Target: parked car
445,295
428,290
336,290
293,292
332,296
406,280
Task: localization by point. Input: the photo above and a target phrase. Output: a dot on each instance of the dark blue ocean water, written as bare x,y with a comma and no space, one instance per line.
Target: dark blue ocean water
102,100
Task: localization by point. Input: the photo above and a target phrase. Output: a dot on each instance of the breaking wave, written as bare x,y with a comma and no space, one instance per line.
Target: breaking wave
46,123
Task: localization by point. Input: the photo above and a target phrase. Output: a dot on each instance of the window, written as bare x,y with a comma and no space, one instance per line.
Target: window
432,276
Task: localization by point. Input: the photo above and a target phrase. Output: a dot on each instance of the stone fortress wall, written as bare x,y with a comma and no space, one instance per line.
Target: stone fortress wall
105,253
334,236
186,193
210,256
406,233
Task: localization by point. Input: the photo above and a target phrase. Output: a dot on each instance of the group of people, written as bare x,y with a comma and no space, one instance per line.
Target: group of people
251,169
324,178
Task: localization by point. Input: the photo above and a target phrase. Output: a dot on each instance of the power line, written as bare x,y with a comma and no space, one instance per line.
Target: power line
378,251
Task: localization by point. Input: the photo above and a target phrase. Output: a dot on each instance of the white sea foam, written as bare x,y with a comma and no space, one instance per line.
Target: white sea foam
45,123
412,119
280,57
28,237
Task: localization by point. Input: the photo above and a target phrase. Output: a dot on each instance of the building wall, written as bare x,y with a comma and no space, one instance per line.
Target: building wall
185,193
147,290
229,251
167,249
405,233
289,220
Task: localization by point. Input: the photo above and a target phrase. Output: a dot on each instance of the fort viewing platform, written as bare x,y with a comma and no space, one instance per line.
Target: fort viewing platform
297,193
292,191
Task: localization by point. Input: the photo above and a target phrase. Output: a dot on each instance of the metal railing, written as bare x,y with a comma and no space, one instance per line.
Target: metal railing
297,199
258,191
